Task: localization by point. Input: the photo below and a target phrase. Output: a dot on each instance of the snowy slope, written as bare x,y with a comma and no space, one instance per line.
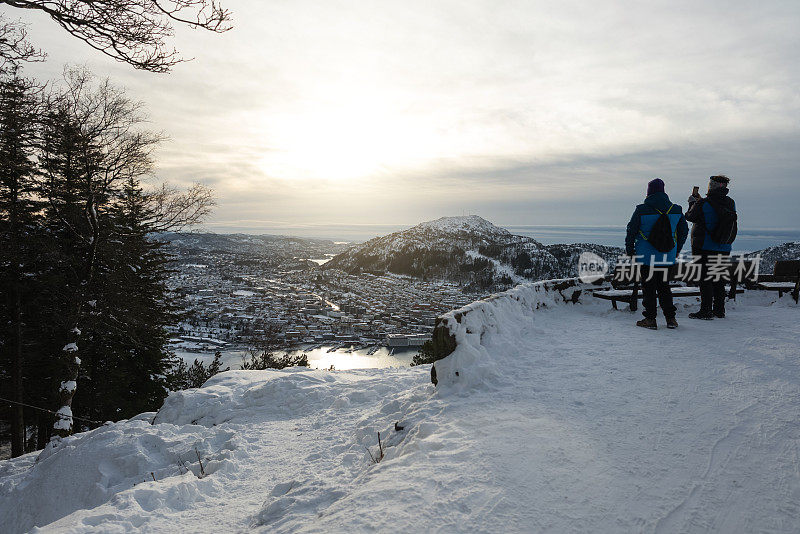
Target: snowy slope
785,251
564,418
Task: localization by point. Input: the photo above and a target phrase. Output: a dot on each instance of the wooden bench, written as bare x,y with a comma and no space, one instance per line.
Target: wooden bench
623,291
631,292
618,285
785,278
741,272
631,296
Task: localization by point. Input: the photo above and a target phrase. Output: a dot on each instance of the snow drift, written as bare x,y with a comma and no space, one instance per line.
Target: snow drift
205,443
550,416
503,315
89,469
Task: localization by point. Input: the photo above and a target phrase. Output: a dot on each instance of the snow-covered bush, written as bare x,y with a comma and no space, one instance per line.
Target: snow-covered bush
183,376
270,360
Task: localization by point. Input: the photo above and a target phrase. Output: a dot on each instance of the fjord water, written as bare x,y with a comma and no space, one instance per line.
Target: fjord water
318,358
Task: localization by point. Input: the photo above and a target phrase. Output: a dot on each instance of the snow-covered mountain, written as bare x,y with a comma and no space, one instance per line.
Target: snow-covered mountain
464,226
785,251
468,250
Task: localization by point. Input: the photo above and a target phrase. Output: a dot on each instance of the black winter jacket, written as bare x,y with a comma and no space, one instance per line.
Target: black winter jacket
703,213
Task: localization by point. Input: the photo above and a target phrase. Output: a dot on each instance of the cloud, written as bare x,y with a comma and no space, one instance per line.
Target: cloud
529,112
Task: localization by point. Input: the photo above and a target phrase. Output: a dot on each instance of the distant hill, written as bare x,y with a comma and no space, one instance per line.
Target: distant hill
267,250
244,243
786,251
469,250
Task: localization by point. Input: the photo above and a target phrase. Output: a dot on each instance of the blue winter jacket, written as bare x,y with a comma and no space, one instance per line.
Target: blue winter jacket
641,223
704,217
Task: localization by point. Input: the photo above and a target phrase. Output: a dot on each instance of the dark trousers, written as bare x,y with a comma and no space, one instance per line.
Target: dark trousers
658,285
712,293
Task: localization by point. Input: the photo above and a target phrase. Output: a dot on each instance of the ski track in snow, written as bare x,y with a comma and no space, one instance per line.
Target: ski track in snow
584,424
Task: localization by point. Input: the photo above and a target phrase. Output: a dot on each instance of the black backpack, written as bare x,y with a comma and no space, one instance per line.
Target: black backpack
661,237
727,224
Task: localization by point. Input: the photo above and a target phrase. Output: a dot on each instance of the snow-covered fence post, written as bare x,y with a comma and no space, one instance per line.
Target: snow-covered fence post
66,391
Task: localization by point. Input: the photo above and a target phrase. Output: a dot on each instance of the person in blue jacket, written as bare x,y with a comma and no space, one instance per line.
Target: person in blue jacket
656,268
702,213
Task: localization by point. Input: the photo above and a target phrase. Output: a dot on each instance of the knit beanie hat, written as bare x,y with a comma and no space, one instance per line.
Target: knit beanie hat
718,182
655,186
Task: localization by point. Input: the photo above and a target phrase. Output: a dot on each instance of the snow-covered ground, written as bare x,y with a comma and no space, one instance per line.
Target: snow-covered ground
563,419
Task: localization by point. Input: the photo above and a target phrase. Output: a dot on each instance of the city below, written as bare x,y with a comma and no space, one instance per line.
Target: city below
275,295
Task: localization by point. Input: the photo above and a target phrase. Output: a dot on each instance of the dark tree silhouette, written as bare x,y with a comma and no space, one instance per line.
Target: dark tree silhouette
93,144
19,212
131,31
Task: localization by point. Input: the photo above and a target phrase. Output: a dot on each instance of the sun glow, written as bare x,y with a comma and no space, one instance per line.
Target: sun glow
344,139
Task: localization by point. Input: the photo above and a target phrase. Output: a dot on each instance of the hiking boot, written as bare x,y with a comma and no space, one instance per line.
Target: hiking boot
719,314
672,323
704,315
647,323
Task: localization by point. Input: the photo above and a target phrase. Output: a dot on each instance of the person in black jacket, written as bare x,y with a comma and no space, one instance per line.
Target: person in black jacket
704,213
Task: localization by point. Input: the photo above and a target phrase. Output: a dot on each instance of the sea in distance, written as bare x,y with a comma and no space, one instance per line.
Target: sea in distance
748,240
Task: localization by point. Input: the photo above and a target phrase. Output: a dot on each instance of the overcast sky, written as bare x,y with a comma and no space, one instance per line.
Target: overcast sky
378,112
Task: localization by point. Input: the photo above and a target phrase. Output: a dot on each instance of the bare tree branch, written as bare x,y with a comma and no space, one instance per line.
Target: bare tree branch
14,45
174,210
131,31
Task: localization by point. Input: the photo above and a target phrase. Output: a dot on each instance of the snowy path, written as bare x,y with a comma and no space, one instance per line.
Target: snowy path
614,428
590,431
588,425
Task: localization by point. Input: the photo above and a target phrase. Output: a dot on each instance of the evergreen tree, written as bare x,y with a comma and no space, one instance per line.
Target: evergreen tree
194,376
79,264
91,145
265,359
424,355
126,361
19,220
